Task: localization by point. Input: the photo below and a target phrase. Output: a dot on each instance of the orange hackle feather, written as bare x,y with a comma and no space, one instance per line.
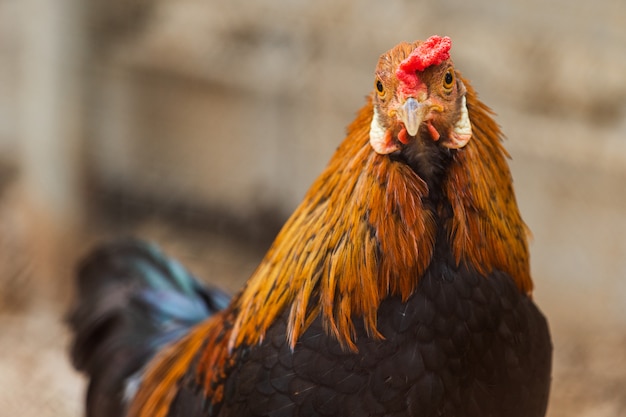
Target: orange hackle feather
361,234
161,379
487,229
163,376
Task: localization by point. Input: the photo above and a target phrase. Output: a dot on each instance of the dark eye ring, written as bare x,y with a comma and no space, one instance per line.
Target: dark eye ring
379,87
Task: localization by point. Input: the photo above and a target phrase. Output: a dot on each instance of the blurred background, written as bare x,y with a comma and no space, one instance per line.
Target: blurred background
201,123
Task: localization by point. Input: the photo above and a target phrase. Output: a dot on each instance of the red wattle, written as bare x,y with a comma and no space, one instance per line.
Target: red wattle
403,136
433,132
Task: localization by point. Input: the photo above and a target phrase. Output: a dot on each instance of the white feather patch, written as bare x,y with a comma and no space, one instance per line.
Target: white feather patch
377,137
462,131
463,127
132,386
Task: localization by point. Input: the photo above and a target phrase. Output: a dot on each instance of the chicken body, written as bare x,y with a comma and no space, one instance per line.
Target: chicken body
399,287
462,345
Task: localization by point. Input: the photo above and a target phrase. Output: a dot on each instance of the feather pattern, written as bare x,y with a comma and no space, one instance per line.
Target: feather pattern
487,229
360,234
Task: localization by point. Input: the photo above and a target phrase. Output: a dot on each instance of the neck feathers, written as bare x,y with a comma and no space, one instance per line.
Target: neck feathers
486,229
363,233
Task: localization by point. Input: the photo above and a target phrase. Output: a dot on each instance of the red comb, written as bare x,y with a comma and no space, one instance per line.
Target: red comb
433,51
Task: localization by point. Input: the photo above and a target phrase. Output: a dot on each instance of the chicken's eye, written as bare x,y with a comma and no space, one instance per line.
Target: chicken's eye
448,79
379,87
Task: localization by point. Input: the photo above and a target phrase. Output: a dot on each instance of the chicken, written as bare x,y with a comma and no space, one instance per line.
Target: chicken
399,287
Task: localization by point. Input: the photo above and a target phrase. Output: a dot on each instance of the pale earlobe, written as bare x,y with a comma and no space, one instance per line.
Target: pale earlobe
380,141
462,130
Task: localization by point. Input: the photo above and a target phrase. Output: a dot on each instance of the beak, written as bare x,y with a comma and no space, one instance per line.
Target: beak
412,114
